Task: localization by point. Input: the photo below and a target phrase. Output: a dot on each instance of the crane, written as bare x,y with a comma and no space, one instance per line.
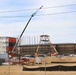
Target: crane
13,50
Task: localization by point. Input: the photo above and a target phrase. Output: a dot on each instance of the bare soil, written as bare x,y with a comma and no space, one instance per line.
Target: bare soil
17,70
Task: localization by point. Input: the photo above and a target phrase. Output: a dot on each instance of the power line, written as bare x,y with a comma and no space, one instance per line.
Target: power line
60,6
57,13
39,15
8,11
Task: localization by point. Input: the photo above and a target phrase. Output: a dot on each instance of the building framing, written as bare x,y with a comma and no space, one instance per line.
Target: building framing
63,48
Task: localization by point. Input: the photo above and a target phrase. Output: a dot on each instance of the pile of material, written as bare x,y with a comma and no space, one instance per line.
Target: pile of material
64,59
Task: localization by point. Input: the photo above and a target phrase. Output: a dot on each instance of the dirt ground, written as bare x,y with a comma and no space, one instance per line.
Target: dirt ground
17,70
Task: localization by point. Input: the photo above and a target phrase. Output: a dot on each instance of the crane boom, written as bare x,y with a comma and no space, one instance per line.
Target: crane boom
25,28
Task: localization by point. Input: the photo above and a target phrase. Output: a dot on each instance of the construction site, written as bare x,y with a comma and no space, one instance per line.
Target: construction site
56,57
45,46
44,58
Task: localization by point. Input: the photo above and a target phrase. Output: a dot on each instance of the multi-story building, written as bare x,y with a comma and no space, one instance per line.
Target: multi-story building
6,44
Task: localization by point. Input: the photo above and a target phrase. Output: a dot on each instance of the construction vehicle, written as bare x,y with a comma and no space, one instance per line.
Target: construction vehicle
15,50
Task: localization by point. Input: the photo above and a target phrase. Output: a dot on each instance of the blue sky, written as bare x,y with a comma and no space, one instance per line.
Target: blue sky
60,27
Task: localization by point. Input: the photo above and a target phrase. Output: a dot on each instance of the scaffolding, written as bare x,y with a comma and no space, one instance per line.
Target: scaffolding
45,40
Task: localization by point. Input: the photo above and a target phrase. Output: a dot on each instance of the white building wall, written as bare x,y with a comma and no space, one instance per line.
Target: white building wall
3,44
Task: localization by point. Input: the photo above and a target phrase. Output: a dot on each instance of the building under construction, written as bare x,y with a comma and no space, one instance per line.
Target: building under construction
46,47
61,48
